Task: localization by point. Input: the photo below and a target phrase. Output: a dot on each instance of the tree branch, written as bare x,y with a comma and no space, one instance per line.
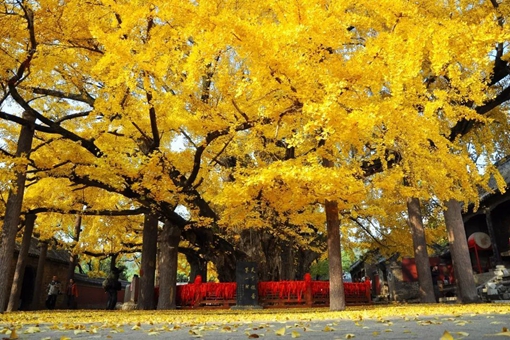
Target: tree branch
127,212
80,97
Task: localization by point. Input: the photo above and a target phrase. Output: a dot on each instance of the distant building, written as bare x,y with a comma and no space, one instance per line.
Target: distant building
493,219
488,233
90,290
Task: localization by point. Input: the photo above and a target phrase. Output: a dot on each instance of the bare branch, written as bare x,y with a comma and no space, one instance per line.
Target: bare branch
81,97
127,212
72,116
239,110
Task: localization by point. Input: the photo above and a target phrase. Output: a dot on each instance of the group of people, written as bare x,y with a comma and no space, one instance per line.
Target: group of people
55,289
111,286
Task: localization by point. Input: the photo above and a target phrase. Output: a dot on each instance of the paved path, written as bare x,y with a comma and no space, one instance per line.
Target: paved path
476,326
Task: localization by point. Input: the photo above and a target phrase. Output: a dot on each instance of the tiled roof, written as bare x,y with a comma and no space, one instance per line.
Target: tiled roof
95,281
504,169
59,255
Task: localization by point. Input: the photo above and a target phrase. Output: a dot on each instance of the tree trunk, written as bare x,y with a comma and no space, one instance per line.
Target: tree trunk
113,262
336,284
198,266
287,267
305,258
148,270
74,257
19,273
420,251
169,250
12,212
39,275
465,282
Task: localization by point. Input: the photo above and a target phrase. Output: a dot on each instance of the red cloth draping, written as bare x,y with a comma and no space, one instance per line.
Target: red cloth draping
282,289
190,294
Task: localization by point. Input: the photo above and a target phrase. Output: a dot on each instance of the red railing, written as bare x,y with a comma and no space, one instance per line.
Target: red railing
272,294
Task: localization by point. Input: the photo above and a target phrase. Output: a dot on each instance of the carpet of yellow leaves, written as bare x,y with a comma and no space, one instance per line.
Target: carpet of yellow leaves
187,317
419,321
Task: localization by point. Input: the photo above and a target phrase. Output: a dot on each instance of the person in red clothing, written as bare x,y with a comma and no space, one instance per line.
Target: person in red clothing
72,294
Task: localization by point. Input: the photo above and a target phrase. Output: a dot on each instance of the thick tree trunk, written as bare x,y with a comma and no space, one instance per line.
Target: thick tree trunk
169,250
305,258
420,251
19,273
148,270
38,286
12,212
336,284
466,288
73,261
288,267
198,266
217,250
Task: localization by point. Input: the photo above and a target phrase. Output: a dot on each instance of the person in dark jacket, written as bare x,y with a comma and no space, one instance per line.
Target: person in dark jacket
434,271
111,286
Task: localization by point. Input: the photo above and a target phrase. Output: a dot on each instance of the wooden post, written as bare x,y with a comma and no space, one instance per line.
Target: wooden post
308,290
490,228
198,291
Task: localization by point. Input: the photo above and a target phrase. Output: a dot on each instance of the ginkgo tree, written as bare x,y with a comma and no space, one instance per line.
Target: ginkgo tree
354,89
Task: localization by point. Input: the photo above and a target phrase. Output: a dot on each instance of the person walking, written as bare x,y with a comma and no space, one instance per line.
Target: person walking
72,294
53,292
434,271
111,285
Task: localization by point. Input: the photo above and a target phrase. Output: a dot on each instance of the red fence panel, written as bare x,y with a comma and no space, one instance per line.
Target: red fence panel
272,294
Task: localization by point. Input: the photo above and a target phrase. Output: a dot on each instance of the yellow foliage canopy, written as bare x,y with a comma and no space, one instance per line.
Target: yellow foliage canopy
149,102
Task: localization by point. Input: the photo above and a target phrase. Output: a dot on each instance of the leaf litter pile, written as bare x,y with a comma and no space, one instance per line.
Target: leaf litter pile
250,324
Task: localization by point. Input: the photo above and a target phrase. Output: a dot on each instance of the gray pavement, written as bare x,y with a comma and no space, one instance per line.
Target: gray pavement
472,326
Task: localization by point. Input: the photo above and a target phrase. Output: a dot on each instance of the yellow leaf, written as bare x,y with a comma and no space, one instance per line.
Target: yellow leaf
504,332
328,329
13,334
462,333
295,334
153,333
253,336
31,330
136,327
375,333
446,336
280,332
350,336
63,337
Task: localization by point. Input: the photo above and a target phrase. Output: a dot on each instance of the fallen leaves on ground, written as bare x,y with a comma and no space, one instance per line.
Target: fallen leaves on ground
289,323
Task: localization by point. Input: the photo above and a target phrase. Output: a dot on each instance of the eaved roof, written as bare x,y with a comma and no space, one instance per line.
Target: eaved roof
60,255
503,166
